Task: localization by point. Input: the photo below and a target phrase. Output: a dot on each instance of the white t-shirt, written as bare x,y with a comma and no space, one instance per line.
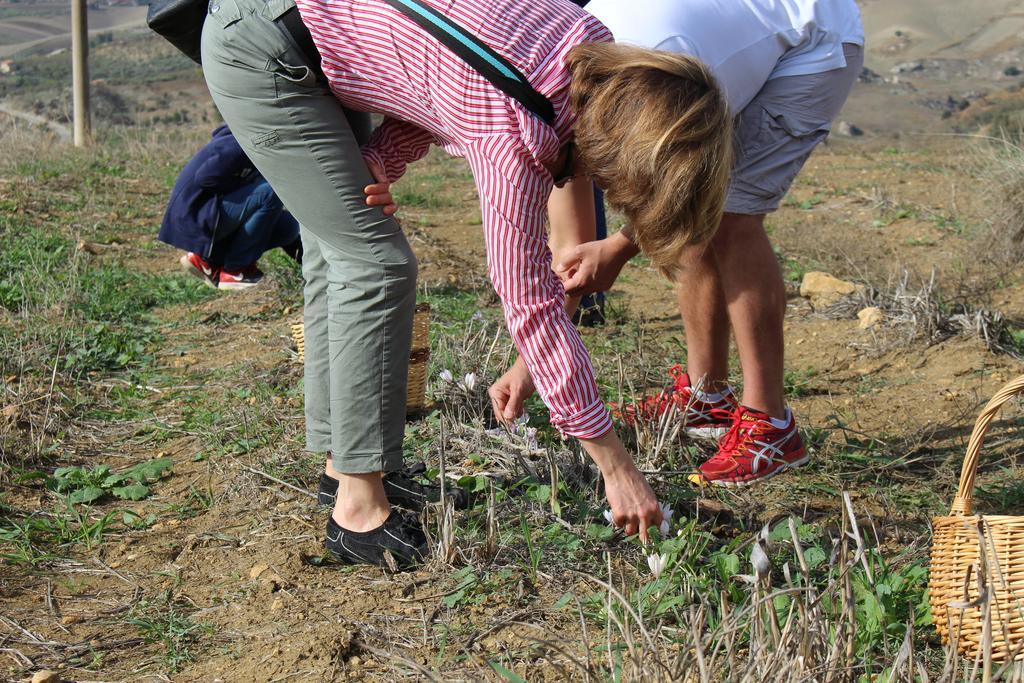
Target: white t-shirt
745,42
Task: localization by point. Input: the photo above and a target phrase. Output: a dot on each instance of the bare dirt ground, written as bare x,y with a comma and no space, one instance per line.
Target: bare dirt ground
230,560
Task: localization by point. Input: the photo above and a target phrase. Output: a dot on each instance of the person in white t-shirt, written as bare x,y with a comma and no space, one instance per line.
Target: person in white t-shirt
786,67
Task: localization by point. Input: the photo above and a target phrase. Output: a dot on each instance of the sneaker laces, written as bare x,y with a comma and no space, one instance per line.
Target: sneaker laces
737,436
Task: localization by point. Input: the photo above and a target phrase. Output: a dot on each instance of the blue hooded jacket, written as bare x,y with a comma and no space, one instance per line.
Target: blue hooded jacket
190,222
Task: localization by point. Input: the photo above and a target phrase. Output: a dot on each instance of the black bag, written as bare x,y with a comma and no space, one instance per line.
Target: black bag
180,22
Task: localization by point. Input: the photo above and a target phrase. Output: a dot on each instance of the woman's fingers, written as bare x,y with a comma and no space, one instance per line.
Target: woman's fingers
379,194
499,399
644,536
377,189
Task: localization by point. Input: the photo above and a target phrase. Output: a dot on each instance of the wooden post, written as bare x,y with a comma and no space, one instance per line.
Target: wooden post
80,71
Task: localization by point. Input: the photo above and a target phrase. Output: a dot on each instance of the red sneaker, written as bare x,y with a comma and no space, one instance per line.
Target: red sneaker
247,277
754,450
195,266
702,420
706,420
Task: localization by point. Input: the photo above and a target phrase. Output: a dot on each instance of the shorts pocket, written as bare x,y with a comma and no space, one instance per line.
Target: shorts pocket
772,146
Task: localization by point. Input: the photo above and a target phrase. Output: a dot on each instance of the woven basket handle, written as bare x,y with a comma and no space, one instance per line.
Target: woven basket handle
964,501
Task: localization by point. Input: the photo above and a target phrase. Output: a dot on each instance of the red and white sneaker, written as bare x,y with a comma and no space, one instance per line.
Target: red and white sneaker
195,266
247,277
702,419
753,450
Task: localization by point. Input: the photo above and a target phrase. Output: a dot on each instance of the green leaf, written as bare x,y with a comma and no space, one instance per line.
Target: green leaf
814,556
727,564
147,471
131,492
600,532
137,521
453,599
113,480
473,483
86,495
506,674
562,601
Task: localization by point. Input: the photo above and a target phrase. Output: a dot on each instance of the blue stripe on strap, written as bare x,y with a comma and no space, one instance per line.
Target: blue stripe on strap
442,23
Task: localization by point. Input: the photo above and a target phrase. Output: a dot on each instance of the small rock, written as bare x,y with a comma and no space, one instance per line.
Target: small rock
823,289
45,676
258,569
870,316
868,76
907,67
89,247
69,619
277,604
849,130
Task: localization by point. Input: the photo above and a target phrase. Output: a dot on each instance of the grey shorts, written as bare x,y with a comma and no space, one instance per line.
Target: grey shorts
778,130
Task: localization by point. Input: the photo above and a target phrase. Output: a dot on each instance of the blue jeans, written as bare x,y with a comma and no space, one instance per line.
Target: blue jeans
252,220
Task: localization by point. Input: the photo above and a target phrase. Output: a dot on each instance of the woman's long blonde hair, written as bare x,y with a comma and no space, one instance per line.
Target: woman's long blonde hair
654,131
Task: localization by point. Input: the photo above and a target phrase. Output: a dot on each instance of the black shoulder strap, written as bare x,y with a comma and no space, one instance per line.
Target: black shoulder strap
492,66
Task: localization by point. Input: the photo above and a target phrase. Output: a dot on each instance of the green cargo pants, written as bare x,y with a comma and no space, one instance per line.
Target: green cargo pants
360,272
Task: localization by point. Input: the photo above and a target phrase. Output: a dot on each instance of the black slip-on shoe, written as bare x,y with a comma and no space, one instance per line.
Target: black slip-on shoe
400,535
403,489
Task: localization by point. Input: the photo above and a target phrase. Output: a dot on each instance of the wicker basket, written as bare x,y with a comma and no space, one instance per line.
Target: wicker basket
976,554
419,356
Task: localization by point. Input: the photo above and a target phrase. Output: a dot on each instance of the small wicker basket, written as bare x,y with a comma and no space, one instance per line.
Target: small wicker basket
974,556
419,356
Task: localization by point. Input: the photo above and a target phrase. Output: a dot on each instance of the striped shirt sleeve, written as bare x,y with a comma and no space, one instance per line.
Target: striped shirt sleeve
395,144
513,189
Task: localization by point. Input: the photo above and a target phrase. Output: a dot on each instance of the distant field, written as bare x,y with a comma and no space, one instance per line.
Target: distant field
47,27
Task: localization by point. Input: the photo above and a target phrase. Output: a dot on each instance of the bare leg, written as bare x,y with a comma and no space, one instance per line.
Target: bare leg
705,320
756,300
361,504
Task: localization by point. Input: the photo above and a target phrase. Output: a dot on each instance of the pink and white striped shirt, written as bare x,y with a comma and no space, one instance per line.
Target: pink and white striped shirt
378,60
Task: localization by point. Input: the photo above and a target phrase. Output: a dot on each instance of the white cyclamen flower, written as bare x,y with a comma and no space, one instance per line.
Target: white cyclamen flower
446,376
666,517
657,563
608,517
666,512
758,558
469,381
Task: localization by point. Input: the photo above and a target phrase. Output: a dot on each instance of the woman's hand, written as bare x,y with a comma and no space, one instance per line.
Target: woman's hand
593,266
634,507
379,194
510,391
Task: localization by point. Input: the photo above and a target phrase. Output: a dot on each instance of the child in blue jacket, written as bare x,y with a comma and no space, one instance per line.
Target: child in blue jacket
225,216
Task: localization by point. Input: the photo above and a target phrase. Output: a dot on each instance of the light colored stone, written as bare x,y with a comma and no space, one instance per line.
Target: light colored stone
824,290
870,316
258,569
849,130
45,676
